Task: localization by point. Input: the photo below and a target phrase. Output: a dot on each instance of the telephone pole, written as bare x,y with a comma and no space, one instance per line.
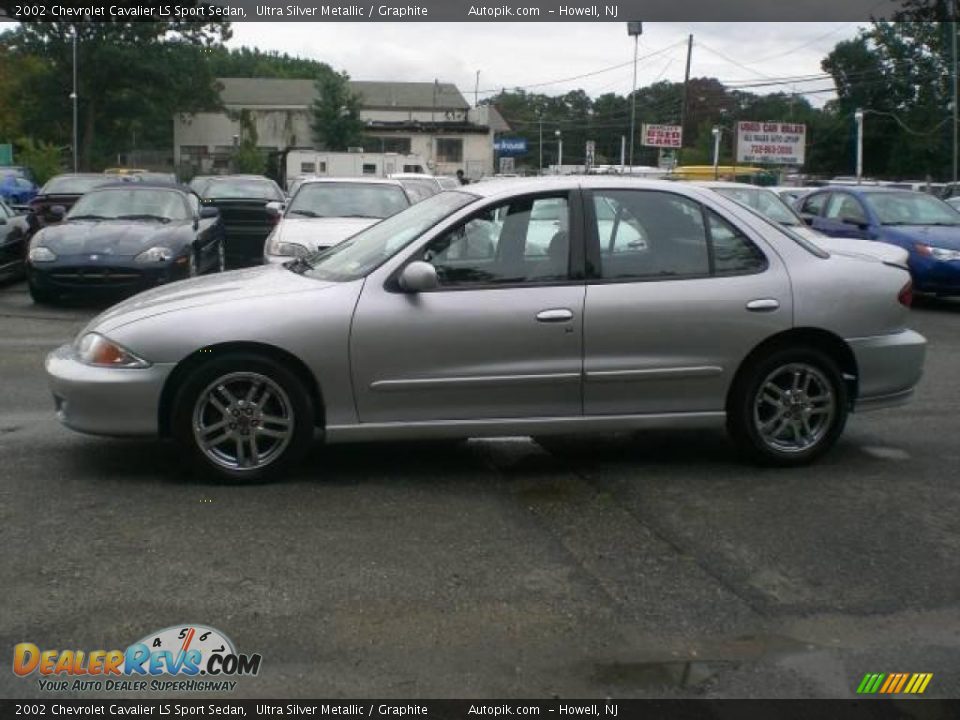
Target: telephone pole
635,29
683,100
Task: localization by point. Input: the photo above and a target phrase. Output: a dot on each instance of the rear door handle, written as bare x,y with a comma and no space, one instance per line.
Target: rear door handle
555,315
763,305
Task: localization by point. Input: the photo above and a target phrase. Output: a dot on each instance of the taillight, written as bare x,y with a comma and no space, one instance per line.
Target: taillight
905,296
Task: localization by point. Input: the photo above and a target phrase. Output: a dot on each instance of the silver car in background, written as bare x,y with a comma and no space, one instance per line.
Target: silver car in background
653,305
325,211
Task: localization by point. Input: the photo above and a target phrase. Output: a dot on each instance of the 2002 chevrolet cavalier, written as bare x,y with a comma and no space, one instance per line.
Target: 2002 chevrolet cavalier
649,305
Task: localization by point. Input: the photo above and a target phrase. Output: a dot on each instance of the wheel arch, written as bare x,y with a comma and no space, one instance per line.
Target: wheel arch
823,340
190,363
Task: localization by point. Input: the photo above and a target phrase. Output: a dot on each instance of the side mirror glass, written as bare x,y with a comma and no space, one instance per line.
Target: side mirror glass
419,276
58,211
274,208
207,212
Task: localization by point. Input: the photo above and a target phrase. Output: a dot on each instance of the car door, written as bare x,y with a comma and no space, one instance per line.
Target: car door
845,217
502,335
673,305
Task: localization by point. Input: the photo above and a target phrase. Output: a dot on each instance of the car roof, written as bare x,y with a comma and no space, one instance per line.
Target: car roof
856,189
411,176
356,180
728,184
146,185
521,185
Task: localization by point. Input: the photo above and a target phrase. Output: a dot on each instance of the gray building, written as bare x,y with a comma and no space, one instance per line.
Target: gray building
432,120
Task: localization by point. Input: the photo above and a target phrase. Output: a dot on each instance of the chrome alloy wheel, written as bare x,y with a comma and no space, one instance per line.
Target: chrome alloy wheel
243,421
794,408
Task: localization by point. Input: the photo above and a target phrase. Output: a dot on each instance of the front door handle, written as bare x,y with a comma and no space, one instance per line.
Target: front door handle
555,315
763,305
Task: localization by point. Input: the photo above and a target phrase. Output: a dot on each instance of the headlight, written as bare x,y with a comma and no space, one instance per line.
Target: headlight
937,253
95,349
41,254
155,254
286,248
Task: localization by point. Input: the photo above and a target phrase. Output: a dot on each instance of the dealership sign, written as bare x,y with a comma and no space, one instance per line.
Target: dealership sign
665,136
771,142
510,146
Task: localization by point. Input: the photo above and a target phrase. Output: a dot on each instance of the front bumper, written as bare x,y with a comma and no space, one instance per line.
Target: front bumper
105,401
73,276
935,276
889,368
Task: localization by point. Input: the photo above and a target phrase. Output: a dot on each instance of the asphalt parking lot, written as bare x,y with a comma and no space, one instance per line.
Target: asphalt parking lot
627,566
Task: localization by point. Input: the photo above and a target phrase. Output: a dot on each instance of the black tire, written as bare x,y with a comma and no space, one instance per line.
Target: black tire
753,419
288,398
40,296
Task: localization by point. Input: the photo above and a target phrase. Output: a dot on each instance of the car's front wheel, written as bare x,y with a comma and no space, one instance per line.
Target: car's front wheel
40,296
788,407
244,418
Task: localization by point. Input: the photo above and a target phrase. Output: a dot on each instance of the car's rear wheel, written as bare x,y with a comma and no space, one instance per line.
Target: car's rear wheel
788,407
244,418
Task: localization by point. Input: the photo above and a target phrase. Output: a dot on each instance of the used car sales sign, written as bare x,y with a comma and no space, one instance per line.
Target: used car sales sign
771,142
668,136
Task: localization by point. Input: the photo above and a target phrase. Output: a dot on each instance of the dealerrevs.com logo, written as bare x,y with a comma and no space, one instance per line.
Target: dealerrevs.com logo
179,658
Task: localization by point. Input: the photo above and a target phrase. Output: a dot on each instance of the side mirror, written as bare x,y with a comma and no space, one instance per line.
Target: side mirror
419,276
274,208
207,212
58,211
859,222
808,219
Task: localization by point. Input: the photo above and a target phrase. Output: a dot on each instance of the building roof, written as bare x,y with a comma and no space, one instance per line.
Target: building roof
375,95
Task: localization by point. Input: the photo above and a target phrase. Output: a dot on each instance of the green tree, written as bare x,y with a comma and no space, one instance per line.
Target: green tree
336,122
132,75
43,159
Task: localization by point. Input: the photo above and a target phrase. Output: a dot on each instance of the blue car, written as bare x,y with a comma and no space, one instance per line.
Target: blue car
925,226
15,189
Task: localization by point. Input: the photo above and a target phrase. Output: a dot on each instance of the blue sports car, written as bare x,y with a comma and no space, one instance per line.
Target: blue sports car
928,228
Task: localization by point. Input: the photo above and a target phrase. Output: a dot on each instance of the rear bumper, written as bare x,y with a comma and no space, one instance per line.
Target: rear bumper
105,401
889,368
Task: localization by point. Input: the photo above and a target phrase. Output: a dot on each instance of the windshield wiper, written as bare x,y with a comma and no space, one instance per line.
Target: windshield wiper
305,213
144,216
367,217
91,217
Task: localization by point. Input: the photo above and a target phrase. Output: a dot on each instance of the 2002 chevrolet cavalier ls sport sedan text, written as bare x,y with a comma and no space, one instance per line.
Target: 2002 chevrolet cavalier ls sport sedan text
528,307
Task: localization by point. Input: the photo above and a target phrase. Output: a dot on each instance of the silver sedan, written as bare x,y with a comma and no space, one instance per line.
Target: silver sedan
652,305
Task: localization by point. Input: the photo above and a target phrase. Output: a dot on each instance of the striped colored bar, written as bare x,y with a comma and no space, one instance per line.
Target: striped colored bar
894,683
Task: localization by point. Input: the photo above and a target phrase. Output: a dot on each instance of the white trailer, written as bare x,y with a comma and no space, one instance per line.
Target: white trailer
321,163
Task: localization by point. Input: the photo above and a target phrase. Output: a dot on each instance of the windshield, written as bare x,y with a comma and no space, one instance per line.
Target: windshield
766,202
67,185
128,203
241,188
332,199
910,208
368,249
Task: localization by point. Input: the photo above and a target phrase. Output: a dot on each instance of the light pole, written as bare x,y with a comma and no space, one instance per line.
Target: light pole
716,151
73,97
634,29
858,117
559,137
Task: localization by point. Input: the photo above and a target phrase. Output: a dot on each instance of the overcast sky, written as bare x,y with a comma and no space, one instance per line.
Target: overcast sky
527,54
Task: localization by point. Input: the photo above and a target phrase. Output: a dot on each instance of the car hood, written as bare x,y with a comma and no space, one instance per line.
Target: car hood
936,235
228,287
106,238
315,233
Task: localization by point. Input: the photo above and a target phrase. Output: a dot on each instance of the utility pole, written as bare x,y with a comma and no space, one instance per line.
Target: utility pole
476,91
858,117
623,153
73,97
956,110
716,152
540,120
683,100
559,151
634,29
